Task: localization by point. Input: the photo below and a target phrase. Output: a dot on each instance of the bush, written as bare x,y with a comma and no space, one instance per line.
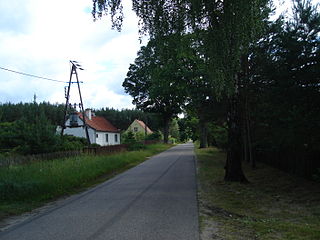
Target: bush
67,142
134,143
23,137
128,138
172,140
154,136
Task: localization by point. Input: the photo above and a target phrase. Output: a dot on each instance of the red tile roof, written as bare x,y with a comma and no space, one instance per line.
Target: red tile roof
144,126
100,124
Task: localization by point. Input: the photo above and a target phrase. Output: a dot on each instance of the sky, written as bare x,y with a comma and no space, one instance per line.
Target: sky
40,37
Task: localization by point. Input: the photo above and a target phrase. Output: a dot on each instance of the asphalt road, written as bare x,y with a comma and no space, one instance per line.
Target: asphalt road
155,200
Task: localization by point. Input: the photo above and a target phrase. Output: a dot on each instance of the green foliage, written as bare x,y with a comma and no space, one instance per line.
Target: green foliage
185,130
152,80
23,137
173,140
10,112
155,136
218,136
285,82
128,137
67,142
174,129
134,140
230,28
155,80
139,136
28,129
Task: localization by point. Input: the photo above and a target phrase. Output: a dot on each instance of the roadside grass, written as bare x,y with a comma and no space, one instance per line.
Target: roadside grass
274,205
25,187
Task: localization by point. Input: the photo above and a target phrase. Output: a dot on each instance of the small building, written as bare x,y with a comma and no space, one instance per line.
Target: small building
138,126
100,130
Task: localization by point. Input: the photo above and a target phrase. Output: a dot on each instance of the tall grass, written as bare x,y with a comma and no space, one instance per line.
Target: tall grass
46,180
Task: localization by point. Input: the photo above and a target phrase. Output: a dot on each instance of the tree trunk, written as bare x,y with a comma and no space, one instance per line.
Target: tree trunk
252,160
233,168
247,144
166,130
203,134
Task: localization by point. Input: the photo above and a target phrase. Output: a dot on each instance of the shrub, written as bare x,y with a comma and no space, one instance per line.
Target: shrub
133,143
154,136
68,142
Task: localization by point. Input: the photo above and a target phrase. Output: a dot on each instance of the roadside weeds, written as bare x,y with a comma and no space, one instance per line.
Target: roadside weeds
24,188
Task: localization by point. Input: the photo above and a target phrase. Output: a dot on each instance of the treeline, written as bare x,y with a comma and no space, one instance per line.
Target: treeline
245,83
124,117
30,128
10,112
281,92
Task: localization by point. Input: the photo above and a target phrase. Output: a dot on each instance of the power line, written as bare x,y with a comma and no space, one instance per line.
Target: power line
31,75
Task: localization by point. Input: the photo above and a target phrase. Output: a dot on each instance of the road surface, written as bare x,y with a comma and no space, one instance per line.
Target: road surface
155,200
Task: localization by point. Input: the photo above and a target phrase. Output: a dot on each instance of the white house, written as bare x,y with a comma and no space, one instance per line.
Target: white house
100,130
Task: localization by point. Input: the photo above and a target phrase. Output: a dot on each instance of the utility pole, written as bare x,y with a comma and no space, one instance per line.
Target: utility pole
74,66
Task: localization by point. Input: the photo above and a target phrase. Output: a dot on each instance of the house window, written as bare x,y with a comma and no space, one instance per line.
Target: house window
107,137
135,129
116,137
97,135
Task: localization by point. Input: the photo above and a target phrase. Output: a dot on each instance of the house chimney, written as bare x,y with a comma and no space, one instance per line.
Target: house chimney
88,113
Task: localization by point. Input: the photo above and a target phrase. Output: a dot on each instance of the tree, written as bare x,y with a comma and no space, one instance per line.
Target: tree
154,80
284,87
184,129
174,129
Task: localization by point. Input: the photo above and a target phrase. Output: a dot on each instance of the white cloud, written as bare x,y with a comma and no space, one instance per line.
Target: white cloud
44,35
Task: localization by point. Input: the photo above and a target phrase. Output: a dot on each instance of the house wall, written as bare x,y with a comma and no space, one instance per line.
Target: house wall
102,139
135,127
80,131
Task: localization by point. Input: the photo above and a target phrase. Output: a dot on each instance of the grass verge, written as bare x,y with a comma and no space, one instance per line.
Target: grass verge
274,205
25,187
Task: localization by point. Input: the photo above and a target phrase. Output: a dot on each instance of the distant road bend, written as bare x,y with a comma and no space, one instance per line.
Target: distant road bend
155,200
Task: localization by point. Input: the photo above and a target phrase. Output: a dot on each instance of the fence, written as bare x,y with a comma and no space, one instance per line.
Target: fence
301,163
16,160
113,148
105,149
